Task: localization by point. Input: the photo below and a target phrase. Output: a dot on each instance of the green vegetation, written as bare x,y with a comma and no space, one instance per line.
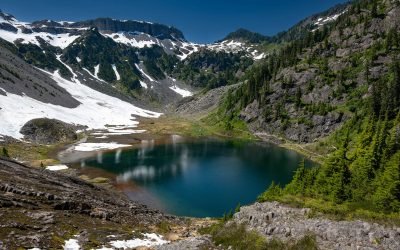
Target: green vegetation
238,237
219,124
360,178
5,152
94,49
42,57
211,69
246,35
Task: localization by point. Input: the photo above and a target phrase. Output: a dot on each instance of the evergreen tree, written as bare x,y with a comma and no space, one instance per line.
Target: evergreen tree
5,153
387,195
374,9
396,84
298,97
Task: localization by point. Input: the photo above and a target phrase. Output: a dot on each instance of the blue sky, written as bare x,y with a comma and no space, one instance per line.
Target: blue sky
200,20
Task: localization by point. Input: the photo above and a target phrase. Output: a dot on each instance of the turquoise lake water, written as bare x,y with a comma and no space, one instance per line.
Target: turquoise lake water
201,177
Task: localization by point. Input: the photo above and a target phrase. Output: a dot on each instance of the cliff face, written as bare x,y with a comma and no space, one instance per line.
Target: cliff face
111,25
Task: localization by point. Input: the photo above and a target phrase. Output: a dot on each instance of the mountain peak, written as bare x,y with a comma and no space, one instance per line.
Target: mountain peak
106,24
6,16
246,35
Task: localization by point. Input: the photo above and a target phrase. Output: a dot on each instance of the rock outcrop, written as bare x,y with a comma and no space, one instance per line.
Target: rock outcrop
41,208
48,131
274,220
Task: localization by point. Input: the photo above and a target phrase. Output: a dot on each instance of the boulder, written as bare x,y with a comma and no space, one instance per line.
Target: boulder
48,131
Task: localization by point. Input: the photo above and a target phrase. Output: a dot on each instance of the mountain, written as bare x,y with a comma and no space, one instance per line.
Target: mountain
335,89
140,63
311,23
147,64
247,36
328,87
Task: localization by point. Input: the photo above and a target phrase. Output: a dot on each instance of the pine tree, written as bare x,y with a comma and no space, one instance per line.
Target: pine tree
374,9
298,97
5,153
396,84
387,195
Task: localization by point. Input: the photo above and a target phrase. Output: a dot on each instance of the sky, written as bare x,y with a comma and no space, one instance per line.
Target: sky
201,21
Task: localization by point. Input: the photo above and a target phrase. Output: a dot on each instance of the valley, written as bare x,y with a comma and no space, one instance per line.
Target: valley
123,134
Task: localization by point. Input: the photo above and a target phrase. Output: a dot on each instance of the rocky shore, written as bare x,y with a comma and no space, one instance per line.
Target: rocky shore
41,208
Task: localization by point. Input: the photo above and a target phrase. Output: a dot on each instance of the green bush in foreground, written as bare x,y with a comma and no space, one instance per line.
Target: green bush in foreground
5,153
238,237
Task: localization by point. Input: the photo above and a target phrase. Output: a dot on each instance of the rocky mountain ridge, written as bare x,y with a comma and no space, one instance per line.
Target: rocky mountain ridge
312,86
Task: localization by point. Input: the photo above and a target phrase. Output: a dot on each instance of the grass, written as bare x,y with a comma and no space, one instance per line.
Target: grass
32,153
207,126
238,237
35,154
221,126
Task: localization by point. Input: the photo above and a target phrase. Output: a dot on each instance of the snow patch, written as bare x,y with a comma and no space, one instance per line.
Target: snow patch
260,56
143,84
148,241
88,147
116,72
95,77
122,37
71,244
322,21
78,59
142,71
96,70
57,167
120,132
182,92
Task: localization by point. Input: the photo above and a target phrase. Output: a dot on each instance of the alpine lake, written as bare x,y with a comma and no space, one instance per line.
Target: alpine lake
201,177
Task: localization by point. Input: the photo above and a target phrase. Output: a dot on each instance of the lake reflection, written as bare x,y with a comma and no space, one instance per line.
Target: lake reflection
202,177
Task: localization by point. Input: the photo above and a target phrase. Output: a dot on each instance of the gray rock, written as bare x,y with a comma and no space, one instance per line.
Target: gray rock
293,223
48,131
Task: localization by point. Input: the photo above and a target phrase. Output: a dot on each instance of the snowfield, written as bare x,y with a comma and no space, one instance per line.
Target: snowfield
58,40
121,37
95,111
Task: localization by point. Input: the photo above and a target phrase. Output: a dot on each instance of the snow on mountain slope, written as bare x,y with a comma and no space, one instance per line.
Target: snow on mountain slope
237,46
116,72
182,92
61,34
133,40
321,21
144,73
97,110
13,30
